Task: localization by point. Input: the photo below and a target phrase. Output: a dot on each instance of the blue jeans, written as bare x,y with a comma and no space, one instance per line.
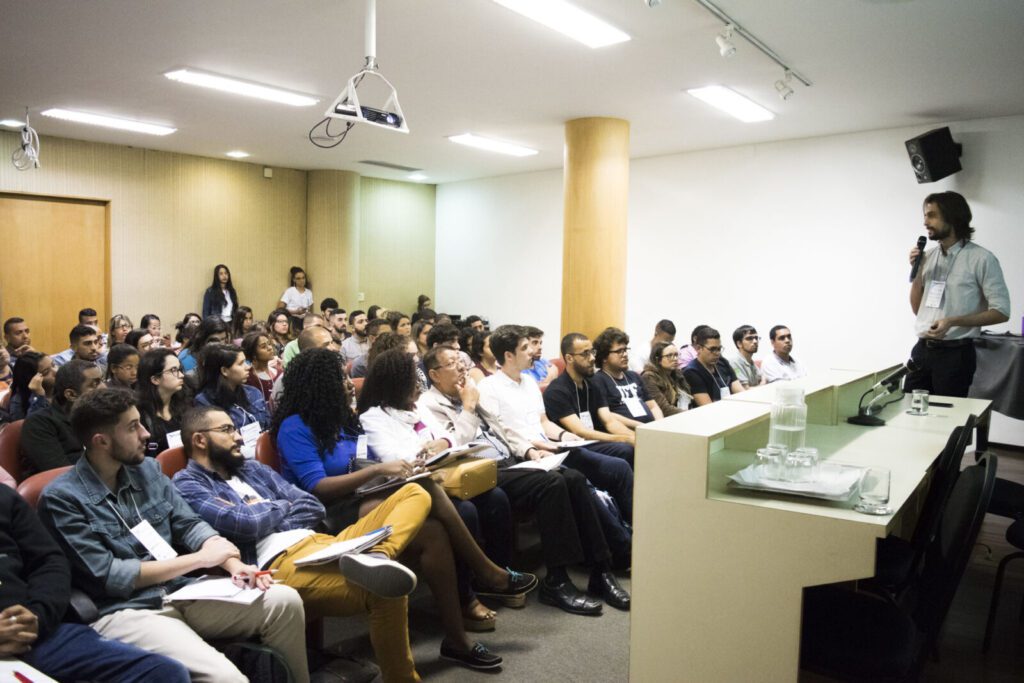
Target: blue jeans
614,448
607,472
77,653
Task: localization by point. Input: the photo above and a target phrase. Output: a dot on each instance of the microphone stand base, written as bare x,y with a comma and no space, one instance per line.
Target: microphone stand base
866,420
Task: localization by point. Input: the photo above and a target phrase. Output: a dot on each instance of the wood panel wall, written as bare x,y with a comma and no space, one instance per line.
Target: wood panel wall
173,217
396,243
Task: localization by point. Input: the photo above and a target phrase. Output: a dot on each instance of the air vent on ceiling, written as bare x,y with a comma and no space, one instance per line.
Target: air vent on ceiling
396,167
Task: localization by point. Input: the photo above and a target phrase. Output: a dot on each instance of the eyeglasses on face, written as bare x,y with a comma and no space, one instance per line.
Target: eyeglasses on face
714,349
174,371
589,353
752,338
223,429
620,352
673,356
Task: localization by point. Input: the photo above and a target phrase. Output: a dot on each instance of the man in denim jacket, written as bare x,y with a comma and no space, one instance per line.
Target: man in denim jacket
131,539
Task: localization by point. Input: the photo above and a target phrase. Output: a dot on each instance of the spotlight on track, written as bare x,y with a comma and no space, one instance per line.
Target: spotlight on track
724,42
782,86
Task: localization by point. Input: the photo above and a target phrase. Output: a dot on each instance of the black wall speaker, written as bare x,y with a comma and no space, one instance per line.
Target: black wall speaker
934,155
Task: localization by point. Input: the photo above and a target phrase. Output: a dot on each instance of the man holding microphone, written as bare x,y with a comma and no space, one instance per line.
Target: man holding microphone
958,288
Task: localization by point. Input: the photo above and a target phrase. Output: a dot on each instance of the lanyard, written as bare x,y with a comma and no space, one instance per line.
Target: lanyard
579,411
951,263
116,512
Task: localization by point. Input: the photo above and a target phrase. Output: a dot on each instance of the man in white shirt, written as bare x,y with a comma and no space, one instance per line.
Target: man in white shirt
781,364
958,290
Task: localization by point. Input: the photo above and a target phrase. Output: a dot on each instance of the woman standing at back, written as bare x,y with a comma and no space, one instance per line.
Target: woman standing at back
297,299
220,298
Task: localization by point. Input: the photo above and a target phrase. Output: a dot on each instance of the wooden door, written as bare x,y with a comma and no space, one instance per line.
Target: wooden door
55,261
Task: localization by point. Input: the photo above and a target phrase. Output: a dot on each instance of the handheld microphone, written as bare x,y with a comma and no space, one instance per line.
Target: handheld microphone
894,378
921,241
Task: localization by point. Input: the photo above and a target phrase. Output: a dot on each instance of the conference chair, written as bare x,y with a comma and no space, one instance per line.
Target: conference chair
560,364
1007,501
10,455
357,385
863,636
266,452
172,460
32,488
898,560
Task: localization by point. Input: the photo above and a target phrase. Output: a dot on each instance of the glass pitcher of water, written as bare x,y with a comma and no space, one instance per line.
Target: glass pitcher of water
788,426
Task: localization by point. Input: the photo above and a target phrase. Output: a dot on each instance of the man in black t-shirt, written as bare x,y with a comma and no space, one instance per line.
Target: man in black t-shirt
623,389
574,402
709,375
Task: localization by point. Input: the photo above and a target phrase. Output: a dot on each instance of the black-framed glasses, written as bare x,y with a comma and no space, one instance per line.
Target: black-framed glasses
714,349
174,371
223,429
589,353
620,352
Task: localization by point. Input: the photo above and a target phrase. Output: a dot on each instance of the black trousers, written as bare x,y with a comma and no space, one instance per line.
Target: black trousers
944,370
567,517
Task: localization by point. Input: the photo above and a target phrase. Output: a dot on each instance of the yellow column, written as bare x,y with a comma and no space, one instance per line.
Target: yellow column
332,235
594,242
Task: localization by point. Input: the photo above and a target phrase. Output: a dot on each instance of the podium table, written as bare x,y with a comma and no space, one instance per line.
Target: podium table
718,572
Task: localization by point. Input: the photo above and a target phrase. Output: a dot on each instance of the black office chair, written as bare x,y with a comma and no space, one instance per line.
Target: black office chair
861,636
1007,501
899,560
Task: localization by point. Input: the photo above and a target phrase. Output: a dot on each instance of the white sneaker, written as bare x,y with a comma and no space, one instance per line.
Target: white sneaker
377,574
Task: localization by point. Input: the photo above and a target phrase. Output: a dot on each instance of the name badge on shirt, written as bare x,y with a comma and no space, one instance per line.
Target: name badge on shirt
587,420
153,542
936,288
250,435
725,391
362,450
174,439
635,406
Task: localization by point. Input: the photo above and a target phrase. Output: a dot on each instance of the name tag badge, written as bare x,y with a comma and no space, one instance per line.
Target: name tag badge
587,420
725,391
174,439
362,450
936,288
153,542
635,406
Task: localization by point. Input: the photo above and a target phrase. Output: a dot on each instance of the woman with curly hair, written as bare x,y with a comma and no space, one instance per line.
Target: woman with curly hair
665,381
397,430
318,435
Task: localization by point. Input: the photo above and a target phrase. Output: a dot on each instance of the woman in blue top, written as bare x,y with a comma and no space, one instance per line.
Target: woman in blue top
224,373
211,330
318,434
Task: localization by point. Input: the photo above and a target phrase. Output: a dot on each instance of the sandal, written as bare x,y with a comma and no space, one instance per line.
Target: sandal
477,618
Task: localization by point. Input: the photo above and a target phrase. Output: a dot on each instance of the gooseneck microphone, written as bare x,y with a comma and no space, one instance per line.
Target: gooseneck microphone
893,379
921,241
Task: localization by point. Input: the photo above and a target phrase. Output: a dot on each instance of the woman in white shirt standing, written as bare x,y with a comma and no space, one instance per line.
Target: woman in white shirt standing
297,299
220,298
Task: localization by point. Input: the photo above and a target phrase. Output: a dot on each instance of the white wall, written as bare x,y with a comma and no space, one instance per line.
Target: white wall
812,233
499,250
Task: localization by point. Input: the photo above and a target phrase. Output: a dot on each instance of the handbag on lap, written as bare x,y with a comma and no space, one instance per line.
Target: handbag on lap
468,478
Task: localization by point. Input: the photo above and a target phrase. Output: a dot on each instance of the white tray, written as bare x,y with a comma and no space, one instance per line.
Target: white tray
836,482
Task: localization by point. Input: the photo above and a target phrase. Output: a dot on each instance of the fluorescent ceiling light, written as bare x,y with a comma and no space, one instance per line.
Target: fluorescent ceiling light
12,123
237,87
109,122
237,154
732,103
417,177
569,20
471,140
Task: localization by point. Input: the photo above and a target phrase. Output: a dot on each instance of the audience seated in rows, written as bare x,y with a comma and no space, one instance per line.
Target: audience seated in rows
374,329
122,366
211,330
265,367
241,324
357,344
709,375
162,399
689,352
484,362
291,349
542,371
623,389
664,332
32,383
18,339
118,329
224,375
279,329
86,345
664,381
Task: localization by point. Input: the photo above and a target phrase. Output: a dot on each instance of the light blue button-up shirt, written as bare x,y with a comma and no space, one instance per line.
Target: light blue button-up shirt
974,284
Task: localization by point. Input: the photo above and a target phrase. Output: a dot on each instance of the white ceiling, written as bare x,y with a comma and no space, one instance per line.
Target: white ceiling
473,66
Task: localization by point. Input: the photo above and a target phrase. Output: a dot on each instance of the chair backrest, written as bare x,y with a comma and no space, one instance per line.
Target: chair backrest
266,452
10,456
950,550
944,474
32,488
357,384
172,460
560,364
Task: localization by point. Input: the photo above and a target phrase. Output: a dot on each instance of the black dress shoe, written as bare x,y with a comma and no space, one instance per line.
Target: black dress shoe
478,656
569,598
607,586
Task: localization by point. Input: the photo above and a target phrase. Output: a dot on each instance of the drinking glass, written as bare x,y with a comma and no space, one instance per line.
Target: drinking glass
874,492
803,464
769,461
919,402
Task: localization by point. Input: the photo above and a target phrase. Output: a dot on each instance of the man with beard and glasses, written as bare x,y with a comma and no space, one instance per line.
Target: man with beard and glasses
959,289
272,522
121,523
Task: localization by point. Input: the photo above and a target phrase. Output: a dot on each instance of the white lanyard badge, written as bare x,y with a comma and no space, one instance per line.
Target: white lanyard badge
145,534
